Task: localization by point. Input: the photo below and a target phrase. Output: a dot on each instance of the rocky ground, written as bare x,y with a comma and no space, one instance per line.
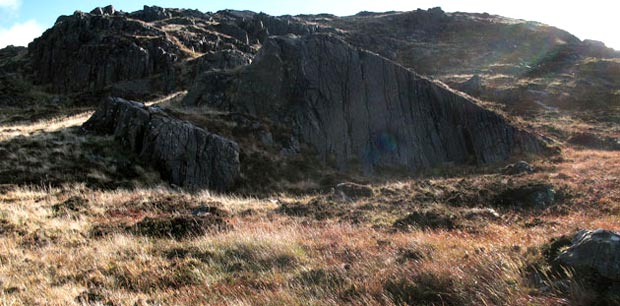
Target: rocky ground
239,181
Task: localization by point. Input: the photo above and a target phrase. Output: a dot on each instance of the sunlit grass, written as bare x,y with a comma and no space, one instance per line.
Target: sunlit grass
353,255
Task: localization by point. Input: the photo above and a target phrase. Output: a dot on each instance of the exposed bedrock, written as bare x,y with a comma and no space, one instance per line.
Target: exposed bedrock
184,154
353,105
90,51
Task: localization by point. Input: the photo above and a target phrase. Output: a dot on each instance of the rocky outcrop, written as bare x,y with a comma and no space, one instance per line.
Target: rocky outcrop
152,13
256,28
144,53
185,154
91,51
108,10
594,251
353,105
220,60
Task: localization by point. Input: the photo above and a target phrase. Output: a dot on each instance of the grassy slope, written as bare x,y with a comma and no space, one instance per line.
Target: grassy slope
71,241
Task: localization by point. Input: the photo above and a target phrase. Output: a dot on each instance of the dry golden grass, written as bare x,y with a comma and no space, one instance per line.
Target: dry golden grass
50,253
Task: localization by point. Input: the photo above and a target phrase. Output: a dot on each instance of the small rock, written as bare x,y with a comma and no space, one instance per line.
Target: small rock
151,13
352,191
518,168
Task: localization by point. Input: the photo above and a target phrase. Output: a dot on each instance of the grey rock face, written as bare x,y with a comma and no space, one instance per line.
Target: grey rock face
89,52
597,250
221,60
256,28
142,53
184,154
353,105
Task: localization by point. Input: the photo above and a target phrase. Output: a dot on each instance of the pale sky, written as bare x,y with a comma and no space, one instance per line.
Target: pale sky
23,20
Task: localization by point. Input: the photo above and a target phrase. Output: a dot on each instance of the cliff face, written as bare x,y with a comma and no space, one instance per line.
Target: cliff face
353,105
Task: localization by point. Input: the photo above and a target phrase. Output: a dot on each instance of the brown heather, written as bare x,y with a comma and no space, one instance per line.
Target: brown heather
70,241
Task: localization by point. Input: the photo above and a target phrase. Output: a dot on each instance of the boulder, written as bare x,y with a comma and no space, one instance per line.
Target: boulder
533,194
473,86
185,155
594,251
353,105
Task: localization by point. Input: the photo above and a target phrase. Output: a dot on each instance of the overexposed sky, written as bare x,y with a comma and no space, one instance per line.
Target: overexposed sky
23,20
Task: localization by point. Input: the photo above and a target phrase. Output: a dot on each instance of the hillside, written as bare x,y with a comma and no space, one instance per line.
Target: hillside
177,157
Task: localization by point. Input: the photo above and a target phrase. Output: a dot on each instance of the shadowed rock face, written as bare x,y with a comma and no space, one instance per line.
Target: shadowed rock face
147,52
88,52
184,154
351,104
